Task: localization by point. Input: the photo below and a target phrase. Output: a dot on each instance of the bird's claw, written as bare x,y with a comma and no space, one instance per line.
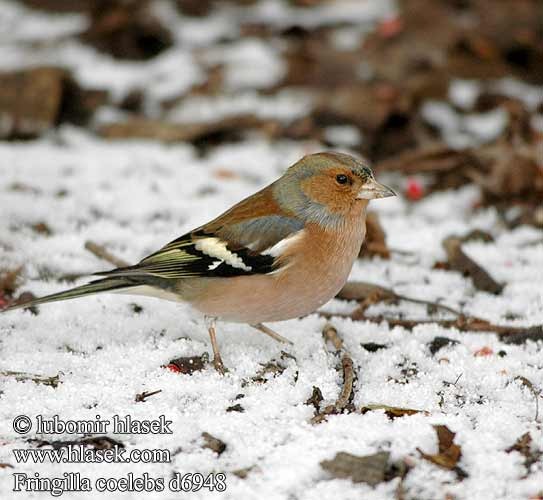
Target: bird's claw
219,365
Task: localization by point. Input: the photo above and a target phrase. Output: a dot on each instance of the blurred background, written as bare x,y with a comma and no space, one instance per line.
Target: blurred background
444,92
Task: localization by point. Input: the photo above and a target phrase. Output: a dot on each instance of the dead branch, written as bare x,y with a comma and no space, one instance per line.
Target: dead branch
141,397
507,334
37,379
346,395
368,294
100,252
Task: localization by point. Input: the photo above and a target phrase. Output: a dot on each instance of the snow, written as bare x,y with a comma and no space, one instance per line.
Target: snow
133,197
463,93
462,131
19,24
250,63
280,13
342,135
286,105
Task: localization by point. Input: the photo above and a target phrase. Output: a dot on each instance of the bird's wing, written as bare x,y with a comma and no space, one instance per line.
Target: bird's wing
239,242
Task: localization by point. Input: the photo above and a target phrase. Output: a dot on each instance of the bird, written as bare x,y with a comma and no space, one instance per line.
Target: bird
279,254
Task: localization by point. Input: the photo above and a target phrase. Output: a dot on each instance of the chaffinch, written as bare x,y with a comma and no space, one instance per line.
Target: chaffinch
278,254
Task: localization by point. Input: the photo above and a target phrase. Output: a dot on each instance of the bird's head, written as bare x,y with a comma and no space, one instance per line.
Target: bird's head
327,186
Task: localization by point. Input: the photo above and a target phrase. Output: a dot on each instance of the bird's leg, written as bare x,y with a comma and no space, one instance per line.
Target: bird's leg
274,335
217,360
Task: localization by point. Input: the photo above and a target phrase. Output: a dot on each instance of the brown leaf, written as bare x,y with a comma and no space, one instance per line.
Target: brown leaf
524,446
449,453
212,443
391,412
368,469
243,473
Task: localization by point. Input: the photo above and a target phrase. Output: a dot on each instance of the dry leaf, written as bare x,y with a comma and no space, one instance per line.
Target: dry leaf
212,443
525,447
391,412
449,453
368,469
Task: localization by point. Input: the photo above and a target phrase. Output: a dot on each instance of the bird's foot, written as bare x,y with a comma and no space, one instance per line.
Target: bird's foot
219,365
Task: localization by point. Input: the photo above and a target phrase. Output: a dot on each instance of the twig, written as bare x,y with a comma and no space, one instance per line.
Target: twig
536,393
368,293
348,381
508,334
102,253
142,396
437,305
37,379
330,334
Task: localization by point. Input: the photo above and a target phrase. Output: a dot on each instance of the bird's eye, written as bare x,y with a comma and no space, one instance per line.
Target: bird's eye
342,179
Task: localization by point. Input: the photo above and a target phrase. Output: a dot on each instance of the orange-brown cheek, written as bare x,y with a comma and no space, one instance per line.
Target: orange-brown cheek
319,189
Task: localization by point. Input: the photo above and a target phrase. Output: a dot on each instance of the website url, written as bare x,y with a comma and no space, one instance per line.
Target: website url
83,454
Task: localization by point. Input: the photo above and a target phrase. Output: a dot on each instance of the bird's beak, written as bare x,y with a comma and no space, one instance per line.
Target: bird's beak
373,189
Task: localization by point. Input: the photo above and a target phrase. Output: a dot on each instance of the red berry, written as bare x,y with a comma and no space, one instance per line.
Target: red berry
414,190
173,368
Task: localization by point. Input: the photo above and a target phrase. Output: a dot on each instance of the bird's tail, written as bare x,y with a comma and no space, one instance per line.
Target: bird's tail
98,286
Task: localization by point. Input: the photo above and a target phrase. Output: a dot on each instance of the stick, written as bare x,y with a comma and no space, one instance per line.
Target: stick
142,396
368,293
100,252
508,334
331,335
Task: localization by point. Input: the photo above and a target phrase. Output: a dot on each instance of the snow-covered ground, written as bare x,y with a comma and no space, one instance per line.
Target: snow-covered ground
134,196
